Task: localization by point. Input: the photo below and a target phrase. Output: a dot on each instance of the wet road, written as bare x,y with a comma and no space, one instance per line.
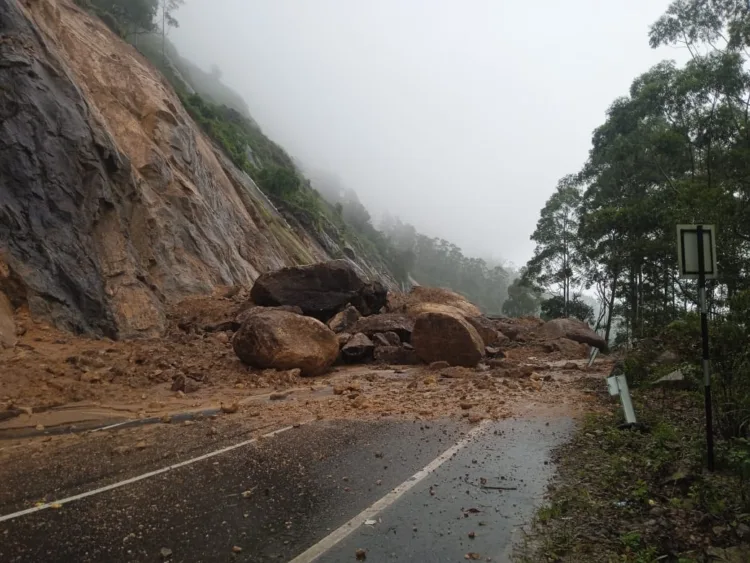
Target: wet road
291,496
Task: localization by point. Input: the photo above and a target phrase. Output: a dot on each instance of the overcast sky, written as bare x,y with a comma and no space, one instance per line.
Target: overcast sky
459,116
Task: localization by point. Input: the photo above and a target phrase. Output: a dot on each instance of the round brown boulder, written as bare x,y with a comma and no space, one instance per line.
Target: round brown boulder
445,337
282,340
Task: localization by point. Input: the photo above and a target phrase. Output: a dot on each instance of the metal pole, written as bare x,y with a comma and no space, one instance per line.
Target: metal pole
704,342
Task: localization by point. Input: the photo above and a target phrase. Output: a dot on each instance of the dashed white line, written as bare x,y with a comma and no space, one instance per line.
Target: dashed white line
369,513
58,503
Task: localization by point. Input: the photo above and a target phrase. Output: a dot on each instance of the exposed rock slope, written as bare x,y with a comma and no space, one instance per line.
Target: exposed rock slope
112,202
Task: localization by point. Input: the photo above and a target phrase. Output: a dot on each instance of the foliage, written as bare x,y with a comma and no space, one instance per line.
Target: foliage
523,299
555,308
556,261
676,149
124,17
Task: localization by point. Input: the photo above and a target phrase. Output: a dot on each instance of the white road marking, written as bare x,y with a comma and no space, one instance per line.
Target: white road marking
369,513
58,503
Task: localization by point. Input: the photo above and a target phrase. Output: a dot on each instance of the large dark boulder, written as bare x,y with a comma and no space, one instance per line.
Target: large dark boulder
371,298
282,340
389,322
320,290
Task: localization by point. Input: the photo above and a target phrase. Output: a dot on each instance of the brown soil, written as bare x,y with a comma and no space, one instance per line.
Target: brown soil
53,378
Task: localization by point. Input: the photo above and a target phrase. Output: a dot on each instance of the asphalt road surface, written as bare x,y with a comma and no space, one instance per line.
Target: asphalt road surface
400,491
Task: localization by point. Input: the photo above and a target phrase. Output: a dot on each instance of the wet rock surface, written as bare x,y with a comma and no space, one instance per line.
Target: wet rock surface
320,290
445,337
397,323
282,340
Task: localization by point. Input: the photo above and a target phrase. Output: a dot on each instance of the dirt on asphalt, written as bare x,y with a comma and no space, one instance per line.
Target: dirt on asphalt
53,379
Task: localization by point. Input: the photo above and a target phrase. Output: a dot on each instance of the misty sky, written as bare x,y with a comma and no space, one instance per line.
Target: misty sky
459,116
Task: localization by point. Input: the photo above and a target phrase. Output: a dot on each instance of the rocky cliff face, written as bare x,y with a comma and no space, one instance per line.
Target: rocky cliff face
111,200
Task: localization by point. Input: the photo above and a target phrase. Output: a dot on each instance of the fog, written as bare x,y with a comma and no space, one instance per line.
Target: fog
457,116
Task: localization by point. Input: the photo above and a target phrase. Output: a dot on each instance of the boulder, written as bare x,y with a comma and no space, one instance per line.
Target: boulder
320,290
343,338
667,357
510,331
371,298
245,313
442,336
674,380
572,329
7,324
439,296
344,320
396,355
568,348
380,340
389,322
358,349
486,330
283,340
392,338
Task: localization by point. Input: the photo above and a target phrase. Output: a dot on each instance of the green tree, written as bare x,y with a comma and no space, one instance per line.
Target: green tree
555,308
523,299
553,268
167,8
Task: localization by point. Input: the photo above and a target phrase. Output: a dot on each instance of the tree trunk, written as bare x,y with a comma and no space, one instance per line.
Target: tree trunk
611,309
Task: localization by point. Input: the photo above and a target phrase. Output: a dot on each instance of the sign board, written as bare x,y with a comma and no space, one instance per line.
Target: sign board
687,251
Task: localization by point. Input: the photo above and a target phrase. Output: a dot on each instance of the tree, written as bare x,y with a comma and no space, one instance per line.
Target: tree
554,308
523,299
134,17
553,266
167,8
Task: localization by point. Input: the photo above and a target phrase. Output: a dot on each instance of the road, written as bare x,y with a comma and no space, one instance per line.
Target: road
400,491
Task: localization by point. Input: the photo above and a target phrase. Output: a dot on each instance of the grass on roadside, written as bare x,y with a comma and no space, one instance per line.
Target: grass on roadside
627,496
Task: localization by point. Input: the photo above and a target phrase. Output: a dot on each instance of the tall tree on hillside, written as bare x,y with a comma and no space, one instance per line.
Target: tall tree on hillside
553,268
167,8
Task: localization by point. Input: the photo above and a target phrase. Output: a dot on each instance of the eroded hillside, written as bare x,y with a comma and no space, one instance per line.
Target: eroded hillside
113,202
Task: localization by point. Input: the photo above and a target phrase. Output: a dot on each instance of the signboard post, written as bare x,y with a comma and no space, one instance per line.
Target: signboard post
696,251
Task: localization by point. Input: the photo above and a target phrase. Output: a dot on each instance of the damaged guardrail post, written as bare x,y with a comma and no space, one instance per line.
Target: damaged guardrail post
618,385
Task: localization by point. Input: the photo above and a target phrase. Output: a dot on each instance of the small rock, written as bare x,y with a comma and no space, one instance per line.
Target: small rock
476,417
437,366
166,419
222,337
180,394
141,445
165,552
339,389
466,406
570,365
39,427
360,554
191,386
472,535
236,549
230,409
278,396
179,383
